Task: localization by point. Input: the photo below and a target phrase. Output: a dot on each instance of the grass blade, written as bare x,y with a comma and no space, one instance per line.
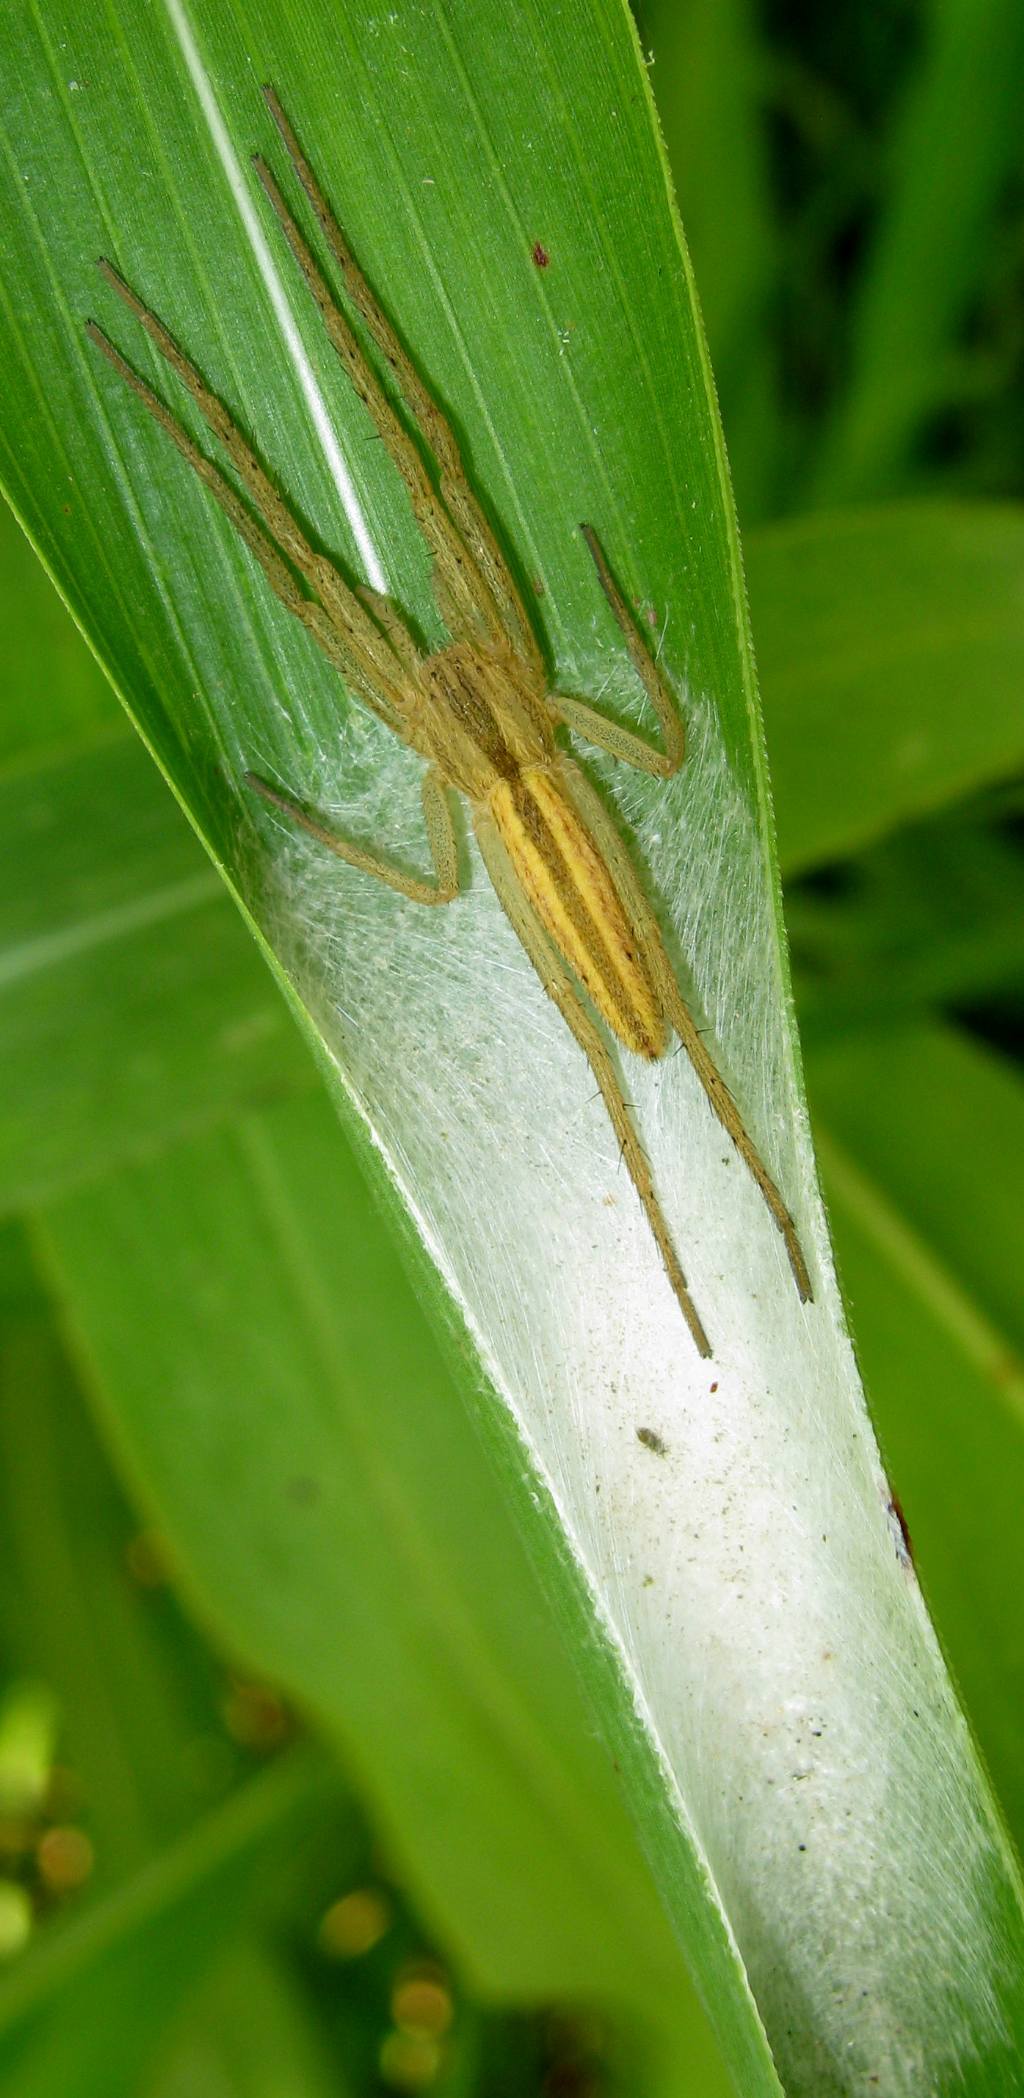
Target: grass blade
460,139
920,274
872,628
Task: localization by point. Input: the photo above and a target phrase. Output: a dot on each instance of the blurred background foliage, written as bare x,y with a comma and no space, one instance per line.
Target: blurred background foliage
852,186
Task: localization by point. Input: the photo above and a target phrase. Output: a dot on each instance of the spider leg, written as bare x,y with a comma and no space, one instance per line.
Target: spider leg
440,838
458,594
677,1012
559,985
608,735
612,736
312,616
368,655
471,570
724,1106
386,614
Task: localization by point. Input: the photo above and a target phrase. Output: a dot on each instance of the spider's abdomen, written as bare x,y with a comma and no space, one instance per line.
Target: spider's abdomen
572,890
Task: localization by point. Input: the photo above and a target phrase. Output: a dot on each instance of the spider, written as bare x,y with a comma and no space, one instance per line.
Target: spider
478,711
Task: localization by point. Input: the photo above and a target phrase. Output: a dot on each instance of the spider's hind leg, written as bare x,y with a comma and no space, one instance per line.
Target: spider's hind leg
560,987
679,1017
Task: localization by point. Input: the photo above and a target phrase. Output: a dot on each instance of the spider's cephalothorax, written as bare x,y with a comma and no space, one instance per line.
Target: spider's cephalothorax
478,715
478,711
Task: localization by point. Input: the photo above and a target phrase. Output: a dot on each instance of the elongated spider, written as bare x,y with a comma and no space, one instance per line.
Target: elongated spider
479,713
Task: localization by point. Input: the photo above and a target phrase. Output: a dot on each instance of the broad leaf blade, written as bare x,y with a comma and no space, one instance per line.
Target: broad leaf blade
891,646
400,1607
924,1137
457,140
133,1005
54,693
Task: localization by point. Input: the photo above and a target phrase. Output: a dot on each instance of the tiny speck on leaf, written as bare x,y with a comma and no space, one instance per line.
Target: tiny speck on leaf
540,255
652,1441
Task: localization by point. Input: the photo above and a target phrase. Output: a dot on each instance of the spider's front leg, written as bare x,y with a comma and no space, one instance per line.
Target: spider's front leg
338,622
473,584
613,736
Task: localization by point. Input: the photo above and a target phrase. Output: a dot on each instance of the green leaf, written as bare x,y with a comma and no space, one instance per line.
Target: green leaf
54,693
455,140
922,267
708,81
135,1008
922,1169
135,1692
87,2009
370,1565
891,645
178,1871
114,930
929,917
250,2036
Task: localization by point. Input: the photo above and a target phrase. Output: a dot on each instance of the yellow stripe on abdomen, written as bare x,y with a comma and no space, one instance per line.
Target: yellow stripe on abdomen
572,890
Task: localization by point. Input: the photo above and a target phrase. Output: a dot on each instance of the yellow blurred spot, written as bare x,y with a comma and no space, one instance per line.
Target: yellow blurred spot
15,1919
65,1859
355,1924
409,2060
28,1727
421,2000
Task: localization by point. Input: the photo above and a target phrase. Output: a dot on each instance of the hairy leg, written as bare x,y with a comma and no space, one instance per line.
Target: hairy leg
677,1012
339,623
613,736
388,617
586,719
721,1100
559,985
471,567
461,599
440,838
